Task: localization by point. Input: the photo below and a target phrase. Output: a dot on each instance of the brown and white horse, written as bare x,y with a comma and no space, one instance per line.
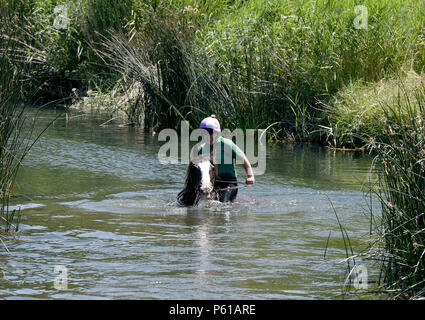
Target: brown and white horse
200,180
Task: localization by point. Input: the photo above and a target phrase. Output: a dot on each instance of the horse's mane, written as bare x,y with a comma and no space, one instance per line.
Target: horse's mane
191,193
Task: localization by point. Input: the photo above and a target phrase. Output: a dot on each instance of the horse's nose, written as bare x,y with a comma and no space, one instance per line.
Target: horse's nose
206,190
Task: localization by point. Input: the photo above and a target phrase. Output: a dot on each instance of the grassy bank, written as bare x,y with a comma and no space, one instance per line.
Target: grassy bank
253,63
285,58
363,111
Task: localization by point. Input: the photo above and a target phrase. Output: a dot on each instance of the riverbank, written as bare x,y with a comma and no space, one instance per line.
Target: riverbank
252,63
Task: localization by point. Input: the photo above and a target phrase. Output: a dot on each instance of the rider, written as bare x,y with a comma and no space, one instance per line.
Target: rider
225,164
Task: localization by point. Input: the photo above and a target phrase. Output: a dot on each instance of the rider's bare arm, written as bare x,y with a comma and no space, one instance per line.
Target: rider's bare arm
249,172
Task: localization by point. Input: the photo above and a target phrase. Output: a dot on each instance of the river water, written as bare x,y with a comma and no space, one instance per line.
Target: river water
99,222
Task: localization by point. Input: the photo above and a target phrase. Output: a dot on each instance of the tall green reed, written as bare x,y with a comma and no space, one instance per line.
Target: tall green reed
400,159
17,135
11,123
160,56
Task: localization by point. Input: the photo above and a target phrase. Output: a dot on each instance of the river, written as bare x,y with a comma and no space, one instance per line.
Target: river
99,222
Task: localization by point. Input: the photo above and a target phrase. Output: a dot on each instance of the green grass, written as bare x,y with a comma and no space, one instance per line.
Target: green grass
356,112
253,63
282,58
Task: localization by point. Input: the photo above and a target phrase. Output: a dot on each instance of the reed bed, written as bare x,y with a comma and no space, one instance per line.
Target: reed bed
11,123
285,58
17,134
400,160
256,64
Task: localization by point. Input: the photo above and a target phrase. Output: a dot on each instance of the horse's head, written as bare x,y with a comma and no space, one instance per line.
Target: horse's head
199,181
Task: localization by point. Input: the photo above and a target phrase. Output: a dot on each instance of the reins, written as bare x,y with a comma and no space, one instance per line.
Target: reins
231,188
226,181
243,185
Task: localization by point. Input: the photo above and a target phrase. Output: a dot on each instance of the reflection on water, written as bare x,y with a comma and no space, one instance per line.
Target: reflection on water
97,201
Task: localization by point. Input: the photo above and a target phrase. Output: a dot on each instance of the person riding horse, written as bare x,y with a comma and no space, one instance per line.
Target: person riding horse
223,153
